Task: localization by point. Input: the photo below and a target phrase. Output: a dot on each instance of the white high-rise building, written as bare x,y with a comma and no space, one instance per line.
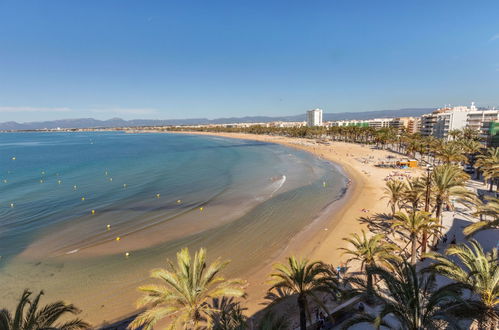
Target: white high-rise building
314,117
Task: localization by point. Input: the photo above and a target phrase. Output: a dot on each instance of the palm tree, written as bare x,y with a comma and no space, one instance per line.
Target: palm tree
411,297
186,292
471,147
451,152
489,165
300,277
491,208
455,134
36,318
414,194
476,271
394,192
448,181
370,252
415,224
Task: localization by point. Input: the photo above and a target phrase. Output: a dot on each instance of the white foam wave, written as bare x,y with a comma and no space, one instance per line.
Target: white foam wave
279,184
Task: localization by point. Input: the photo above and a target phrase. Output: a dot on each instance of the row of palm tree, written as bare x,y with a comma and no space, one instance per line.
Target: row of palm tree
192,294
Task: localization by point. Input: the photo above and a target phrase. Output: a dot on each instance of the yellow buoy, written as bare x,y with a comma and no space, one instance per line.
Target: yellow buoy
110,179
11,204
201,208
13,158
59,181
179,201
43,172
93,211
108,227
124,185
83,198
158,195
324,183
127,254
118,238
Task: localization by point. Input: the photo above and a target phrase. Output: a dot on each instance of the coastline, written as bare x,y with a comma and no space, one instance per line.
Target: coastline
322,239
318,239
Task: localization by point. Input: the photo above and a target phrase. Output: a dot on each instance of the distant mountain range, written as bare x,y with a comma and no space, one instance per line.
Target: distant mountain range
118,122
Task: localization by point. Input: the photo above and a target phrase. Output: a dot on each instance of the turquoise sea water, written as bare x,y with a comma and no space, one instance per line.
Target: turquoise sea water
158,192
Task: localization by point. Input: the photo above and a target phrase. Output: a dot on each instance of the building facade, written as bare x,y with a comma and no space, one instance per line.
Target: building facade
314,117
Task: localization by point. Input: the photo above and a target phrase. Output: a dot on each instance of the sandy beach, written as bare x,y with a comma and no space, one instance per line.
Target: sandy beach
84,251
322,240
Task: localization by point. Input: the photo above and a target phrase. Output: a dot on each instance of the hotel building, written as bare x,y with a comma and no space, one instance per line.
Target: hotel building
314,117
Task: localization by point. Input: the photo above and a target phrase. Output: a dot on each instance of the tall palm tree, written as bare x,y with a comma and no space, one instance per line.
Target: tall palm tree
414,194
414,224
186,292
451,152
471,147
394,192
477,271
411,297
489,208
28,315
489,165
300,277
449,181
370,252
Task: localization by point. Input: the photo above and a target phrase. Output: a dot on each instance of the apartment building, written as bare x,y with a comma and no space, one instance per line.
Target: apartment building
314,117
481,121
441,121
407,124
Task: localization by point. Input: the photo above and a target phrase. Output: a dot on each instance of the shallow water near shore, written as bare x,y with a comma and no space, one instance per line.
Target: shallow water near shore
242,200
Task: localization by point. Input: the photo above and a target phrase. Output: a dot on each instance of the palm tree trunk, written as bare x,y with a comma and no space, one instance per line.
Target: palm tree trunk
413,248
302,302
370,289
438,215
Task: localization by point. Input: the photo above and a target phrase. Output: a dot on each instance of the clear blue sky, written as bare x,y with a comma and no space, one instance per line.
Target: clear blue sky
189,59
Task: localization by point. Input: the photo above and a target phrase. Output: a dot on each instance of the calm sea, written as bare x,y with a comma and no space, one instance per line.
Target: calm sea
72,205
